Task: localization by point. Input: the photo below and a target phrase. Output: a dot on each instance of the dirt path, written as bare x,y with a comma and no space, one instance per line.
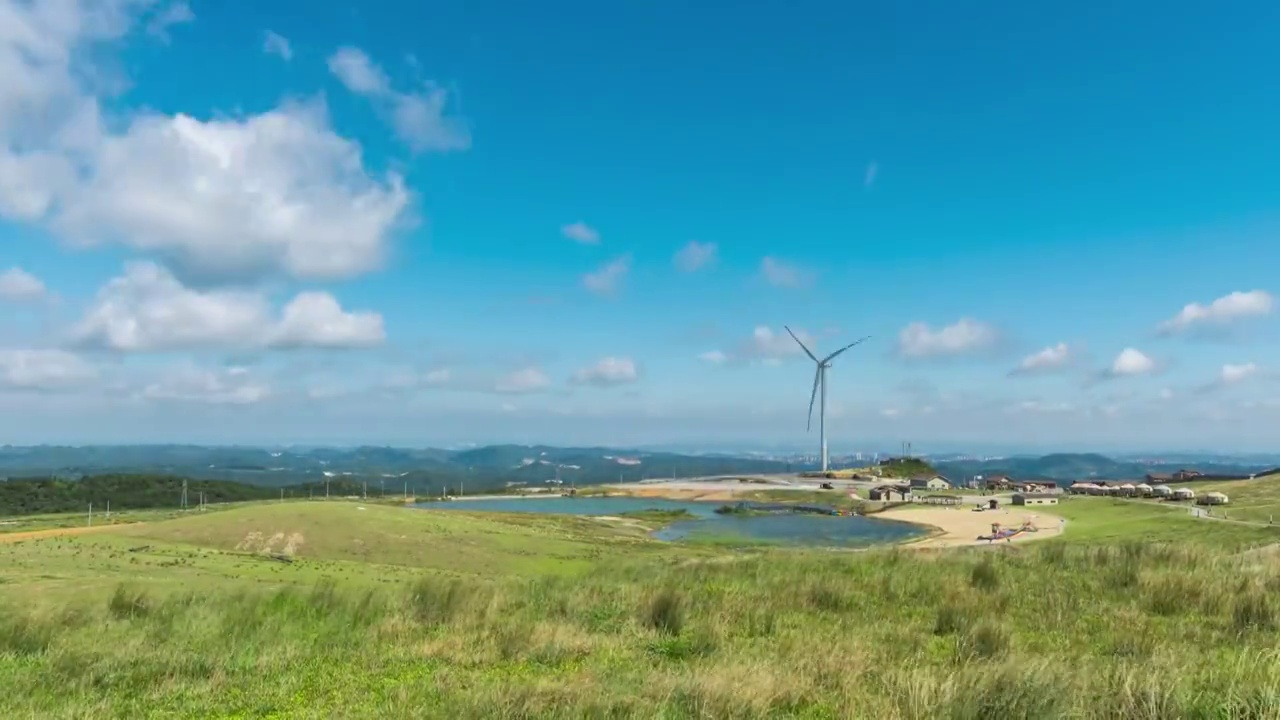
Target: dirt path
962,526
59,532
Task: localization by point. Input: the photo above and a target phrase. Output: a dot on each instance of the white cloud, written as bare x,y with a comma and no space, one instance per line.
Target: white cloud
1132,362
695,256
223,386
608,372
608,278
19,285
783,274
1051,358
714,357
148,309
418,118
274,191
1235,373
581,232
276,44
526,380
966,335
43,370
1226,309
315,319
175,13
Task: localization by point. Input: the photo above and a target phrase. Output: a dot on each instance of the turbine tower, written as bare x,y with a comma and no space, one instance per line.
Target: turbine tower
820,380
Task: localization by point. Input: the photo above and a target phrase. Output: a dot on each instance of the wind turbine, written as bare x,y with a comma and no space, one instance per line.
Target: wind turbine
820,380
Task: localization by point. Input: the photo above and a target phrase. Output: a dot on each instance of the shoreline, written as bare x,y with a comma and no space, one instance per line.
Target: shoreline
943,527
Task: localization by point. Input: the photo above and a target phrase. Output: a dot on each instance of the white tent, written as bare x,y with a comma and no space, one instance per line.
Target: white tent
1215,498
1161,491
1144,490
1184,494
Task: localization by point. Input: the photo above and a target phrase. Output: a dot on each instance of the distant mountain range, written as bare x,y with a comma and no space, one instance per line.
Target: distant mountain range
425,470
495,466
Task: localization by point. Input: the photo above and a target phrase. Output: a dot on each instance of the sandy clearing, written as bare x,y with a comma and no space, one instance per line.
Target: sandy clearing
60,532
962,526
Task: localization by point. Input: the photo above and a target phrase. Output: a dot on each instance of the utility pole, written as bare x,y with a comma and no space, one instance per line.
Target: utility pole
184,493
364,490
108,508
281,494
326,489
406,491
90,514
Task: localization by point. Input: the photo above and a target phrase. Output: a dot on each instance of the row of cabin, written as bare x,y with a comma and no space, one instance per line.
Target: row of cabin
1146,491
1005,483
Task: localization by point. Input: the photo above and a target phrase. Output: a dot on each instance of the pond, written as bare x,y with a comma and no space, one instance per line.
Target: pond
776,528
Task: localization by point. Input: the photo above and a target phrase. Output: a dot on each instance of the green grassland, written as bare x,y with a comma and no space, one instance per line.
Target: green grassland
325,609
1256,500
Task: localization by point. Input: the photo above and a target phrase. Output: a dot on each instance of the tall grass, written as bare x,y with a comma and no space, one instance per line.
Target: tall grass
1138,631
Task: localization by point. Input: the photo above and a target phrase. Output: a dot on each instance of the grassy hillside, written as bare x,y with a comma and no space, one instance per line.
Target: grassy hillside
400,613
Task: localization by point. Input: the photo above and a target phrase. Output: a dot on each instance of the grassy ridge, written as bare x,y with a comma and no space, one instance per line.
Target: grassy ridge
463,614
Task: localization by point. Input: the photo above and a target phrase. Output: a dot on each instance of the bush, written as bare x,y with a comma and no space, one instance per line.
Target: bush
665,612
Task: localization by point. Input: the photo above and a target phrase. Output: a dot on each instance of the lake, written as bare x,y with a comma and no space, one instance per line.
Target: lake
781,528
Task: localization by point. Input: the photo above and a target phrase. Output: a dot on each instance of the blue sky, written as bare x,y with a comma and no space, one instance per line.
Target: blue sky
576,223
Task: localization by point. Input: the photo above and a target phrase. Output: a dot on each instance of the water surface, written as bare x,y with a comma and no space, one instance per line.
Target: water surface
784,528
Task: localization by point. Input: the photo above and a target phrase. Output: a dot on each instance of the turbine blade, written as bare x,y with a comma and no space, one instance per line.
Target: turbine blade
833,355
802,347
817,377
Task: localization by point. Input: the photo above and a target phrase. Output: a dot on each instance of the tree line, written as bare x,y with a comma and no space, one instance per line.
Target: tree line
35,496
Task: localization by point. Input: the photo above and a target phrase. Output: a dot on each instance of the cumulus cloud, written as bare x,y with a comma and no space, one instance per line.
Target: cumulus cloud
1054,357
607,372
1232,374
581,232
1131,362
278,45
1223,311
148,309
274,191
18,285
315,319
965,336
608,278
525,380
222,386
694,256
418,118
783,274
43,370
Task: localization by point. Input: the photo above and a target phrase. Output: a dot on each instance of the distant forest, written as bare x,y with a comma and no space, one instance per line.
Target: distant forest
35,496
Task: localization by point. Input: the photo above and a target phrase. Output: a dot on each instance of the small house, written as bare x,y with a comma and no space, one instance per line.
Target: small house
1161,491
997,482
930,482
1214,498
1184,494
885,493
1036,498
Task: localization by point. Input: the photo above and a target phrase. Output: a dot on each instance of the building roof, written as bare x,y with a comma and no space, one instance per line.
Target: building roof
927,478
1035,495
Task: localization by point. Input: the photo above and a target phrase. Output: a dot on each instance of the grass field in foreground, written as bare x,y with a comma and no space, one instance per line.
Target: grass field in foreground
401,613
